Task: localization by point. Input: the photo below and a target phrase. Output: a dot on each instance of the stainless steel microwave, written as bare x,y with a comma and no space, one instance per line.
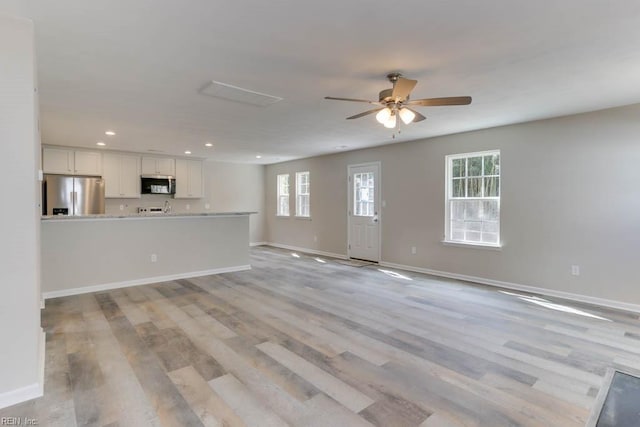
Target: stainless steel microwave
158,184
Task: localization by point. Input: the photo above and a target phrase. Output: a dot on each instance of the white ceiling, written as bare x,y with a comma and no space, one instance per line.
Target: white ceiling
135,66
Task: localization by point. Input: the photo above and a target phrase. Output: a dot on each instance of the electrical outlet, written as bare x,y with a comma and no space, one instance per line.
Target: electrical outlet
414,250
575,270
188,206
207,205
384,203
154,258
121,207
315,238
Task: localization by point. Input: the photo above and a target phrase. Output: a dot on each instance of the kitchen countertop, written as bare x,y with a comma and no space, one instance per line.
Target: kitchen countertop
56,218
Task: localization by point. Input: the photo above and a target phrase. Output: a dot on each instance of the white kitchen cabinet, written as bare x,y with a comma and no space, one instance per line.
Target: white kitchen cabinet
158,166
88,163
57,160
121,176
189,179
71,162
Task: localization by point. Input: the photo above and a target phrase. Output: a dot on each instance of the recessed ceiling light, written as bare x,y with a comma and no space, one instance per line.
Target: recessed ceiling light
258,157
341,147
208,144
102,144
187,152
110,133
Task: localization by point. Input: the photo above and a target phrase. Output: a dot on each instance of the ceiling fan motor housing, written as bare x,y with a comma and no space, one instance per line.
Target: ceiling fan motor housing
386,97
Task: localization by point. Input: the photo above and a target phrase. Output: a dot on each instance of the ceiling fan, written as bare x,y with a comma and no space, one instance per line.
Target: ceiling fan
395,102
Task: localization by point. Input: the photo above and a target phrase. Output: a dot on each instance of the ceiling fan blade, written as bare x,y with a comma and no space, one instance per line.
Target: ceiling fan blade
352,100
366,113
419,117
403,88
435,102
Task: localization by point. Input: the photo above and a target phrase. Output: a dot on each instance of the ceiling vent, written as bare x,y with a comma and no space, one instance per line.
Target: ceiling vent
238,94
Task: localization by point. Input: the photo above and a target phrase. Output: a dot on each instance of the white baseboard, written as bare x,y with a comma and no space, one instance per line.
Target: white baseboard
252,244
20,395
307,250
525,288
144,281
32,391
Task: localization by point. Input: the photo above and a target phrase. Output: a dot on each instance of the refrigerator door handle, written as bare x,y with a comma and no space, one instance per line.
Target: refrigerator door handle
75,202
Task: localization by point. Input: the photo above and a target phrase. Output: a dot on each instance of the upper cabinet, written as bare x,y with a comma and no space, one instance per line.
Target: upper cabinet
88,163
158,166
71,162
57,160
121,176
189,179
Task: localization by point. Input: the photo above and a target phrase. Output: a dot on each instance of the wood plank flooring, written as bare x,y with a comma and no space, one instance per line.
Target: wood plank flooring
297,342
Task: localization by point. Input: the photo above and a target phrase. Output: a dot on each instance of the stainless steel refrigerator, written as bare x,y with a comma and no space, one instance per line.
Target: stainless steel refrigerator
72,195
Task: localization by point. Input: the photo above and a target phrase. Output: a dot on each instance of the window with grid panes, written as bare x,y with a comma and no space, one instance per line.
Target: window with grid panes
283,195
363,193
302,194
473,198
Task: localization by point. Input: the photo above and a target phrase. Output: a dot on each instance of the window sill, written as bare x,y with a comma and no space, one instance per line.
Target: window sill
306,218
472,245
283,216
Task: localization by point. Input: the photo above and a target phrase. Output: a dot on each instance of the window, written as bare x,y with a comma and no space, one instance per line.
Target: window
363,192
473,198
283,195
302,194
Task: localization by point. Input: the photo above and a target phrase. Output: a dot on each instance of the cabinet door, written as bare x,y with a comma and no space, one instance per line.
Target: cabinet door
149,166
88,163
195,179
57,160
188,179
129,176
166,166
158,166
182,179
111,175
121,175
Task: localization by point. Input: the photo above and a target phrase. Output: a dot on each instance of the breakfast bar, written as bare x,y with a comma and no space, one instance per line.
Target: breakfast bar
97,252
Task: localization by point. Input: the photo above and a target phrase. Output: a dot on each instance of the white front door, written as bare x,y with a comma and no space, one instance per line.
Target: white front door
364,203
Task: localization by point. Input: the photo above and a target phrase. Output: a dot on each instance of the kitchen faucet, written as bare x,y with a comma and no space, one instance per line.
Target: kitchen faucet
167,207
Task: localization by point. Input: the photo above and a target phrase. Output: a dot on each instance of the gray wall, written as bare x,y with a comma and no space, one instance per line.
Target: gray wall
228,187
19,147
570,195
116,251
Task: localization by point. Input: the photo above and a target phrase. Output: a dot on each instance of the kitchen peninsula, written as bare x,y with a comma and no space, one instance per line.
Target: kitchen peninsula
97,252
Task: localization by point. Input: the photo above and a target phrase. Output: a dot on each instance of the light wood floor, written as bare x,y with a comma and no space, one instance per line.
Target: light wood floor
303,343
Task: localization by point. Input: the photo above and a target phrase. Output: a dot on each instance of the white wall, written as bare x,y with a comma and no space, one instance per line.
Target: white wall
15,8
117,252
228,187
20,331
570,195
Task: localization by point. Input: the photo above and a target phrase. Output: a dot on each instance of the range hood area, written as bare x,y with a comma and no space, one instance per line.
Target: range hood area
158,184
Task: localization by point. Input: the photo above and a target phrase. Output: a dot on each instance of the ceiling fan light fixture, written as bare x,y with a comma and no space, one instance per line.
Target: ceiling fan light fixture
391,122
383,115
407,115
